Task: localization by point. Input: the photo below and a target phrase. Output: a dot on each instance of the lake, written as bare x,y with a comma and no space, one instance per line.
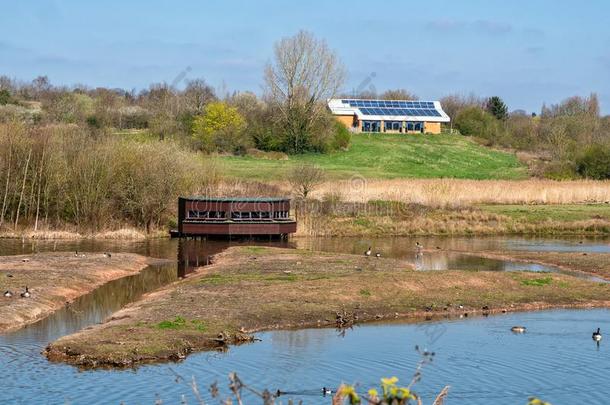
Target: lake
479,357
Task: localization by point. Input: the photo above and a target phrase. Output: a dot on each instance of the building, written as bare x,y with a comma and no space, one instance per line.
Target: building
389,116
203,216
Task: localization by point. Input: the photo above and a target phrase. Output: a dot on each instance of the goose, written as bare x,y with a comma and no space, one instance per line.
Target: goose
518,329
8,294
107,255
26,293
418,245
326,391
378,254
368,252
597,336
25,260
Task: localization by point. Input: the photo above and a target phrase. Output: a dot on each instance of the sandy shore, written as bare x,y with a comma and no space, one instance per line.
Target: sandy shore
54,279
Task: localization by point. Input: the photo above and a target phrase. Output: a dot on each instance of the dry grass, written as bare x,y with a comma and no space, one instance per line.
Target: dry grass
459,193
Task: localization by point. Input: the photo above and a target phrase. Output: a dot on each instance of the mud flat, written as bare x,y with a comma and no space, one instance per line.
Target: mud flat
56,279
250,289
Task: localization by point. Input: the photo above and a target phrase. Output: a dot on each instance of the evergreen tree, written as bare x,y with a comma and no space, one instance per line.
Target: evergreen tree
497,108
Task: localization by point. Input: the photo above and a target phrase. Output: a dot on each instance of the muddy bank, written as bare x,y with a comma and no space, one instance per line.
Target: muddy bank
250,289
55,279
594,264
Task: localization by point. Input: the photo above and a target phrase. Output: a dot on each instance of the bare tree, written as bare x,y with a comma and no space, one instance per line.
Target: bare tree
305,178
398,94
304,73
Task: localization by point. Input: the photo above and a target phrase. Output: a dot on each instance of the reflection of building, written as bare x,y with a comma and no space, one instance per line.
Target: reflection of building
201,216
389,116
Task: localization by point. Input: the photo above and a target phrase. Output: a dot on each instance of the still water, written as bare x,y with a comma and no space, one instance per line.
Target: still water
480,358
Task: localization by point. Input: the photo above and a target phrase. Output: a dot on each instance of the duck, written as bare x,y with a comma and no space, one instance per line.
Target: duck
107,255
8,294
326,391
597,336
368,252
518,329
26,293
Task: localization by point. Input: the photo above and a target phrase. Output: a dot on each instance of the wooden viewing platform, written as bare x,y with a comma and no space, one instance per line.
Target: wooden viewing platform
209,216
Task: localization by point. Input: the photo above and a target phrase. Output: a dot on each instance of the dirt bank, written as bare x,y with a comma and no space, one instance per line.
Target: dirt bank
54,279
595,264
251,289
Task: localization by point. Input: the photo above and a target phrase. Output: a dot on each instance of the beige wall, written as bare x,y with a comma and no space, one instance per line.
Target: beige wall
347,120
432,127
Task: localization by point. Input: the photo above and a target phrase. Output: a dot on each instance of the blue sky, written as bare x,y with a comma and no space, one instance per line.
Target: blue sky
528,52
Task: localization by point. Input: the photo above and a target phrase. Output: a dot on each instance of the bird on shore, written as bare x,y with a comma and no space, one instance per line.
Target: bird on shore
368,252
518,329
76,254
597,336
25,260
8,294
419,246
26,293
107,255
378,254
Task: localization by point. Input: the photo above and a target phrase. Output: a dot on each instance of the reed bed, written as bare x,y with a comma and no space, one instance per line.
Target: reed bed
454,193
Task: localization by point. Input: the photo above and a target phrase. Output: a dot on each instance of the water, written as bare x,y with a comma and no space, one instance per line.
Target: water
479,358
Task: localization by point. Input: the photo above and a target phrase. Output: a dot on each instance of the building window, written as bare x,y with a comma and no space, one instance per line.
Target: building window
192,214
371,126
415,126
393,125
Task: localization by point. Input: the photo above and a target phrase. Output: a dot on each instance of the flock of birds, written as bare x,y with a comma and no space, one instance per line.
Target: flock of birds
27,294
597,336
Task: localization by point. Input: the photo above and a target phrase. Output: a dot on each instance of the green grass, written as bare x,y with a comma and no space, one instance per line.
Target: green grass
388,156
540,213
537,282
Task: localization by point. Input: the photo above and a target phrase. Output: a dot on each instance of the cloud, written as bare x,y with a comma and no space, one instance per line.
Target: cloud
486,27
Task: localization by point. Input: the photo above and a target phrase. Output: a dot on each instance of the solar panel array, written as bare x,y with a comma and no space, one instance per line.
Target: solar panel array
383,107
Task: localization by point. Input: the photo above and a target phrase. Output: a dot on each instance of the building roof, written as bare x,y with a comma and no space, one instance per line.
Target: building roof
236,199
389,110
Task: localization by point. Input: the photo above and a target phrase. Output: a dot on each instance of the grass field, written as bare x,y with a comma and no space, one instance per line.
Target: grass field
538,213
385,156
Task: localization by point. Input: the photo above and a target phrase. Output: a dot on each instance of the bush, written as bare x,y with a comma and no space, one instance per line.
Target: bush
342,137
474,121
5,97
594,163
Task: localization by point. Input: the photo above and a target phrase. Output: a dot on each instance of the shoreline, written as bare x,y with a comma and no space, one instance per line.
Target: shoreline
208,310
56,279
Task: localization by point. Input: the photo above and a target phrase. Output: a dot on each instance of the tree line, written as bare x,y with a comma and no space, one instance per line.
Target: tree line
570,139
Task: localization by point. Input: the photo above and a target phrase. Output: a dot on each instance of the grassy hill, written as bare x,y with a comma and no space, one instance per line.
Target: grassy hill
386,156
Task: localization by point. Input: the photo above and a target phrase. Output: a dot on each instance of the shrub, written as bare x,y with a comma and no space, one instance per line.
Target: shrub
342,137
474,121
594,163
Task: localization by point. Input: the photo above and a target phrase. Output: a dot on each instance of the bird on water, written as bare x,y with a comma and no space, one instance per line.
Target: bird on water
518,329
597,336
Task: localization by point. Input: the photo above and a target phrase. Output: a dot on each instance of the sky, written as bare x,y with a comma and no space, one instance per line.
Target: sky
527,52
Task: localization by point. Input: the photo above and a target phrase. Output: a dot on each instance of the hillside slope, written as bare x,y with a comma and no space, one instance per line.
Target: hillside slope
386,156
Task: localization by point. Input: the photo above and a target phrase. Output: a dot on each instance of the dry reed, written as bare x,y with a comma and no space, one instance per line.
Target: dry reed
460,193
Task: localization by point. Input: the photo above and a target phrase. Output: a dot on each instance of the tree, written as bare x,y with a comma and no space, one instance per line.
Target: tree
398,94
496,107
5,97
474,121
305,178
304,73
219,128
594,163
